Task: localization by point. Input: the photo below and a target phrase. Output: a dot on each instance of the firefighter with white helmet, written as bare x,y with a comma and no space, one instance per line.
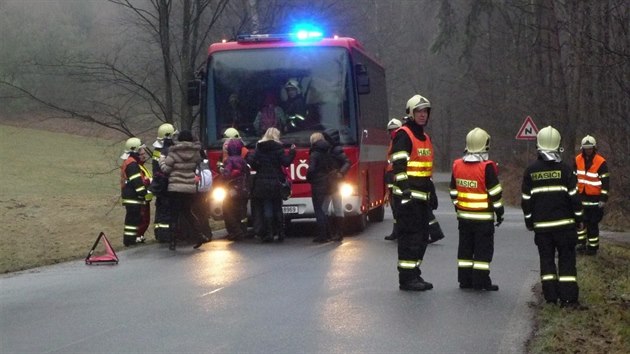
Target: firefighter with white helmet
162,222
553,210
295,105
477,195
593,187
134,183
412,163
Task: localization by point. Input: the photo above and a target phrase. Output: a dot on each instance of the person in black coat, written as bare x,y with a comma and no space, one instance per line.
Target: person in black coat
341,166
320,166
268,161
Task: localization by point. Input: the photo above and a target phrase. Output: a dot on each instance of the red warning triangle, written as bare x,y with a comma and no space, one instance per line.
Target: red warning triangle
108,256
528,130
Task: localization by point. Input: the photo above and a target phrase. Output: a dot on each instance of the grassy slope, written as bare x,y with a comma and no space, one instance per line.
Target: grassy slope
604,326
58,192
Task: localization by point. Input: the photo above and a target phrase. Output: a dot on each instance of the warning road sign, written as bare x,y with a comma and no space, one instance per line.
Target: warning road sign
528,130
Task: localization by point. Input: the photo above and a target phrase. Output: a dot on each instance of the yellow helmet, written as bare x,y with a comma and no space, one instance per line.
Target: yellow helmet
166,130
231,133
133,145
394,123
477,140
417,102
589,142
548,139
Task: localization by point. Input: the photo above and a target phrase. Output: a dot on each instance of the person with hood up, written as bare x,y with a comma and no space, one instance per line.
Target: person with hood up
180,165
235,172
341,166
268,160
270,116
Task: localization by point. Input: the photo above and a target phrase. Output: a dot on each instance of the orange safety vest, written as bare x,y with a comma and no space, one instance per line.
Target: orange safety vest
472,201
420,163
589,182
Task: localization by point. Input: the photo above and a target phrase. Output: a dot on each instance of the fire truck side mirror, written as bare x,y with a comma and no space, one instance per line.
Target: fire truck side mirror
363,80
194,91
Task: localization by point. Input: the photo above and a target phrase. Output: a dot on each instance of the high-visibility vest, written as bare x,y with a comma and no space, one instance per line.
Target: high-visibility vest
473,201
589,181
420,162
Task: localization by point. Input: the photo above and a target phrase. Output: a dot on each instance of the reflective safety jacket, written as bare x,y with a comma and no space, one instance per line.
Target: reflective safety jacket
549,197
593,179
133,182
475,190
412,160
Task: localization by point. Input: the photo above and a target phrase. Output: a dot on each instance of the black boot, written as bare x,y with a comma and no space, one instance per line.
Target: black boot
281,231
416,284
268,233
394,235
323,232
336,231
129,240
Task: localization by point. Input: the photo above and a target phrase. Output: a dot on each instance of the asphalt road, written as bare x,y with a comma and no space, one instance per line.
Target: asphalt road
295,297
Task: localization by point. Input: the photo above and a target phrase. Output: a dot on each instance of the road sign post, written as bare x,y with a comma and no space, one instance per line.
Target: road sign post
528,131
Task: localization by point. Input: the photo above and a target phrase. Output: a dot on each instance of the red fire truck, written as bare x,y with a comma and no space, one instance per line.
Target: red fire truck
341,87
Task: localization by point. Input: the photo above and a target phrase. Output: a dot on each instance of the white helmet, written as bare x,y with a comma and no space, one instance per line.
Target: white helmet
394,123
548,139
417,102
589,142
477,141
293,83
231,133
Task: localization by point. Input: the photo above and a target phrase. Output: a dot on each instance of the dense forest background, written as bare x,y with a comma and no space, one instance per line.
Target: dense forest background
123,65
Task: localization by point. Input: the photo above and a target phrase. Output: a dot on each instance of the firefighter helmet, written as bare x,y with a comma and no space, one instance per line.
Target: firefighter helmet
548,139
477,140
417,102
231,133
133,145
293,83
589,142
166,130
394,123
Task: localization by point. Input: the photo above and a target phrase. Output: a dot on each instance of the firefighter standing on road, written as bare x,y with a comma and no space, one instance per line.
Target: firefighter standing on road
412,160
593,186
392,127
477,196
134,192
553,211
162,221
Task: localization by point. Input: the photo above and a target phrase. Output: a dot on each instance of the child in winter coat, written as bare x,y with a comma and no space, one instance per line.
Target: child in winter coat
236,173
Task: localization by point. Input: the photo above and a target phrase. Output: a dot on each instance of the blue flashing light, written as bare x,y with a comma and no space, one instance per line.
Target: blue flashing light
307,33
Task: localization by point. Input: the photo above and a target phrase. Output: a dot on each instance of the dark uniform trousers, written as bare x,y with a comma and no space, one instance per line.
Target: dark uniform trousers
561,283
163,216
133,219
590,237
413,235
474,254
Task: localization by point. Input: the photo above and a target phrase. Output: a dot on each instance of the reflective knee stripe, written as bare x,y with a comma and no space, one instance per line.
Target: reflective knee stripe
481,265
567,278
547,277
582,235
130,230
464,263
593,241
408,264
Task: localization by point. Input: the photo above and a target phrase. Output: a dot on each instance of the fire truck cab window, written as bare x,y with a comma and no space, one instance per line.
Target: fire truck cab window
299,89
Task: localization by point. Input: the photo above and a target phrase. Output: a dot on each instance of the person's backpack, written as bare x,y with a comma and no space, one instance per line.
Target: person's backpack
205,176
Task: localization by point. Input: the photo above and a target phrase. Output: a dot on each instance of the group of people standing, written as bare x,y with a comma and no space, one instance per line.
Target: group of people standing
174,182
558,202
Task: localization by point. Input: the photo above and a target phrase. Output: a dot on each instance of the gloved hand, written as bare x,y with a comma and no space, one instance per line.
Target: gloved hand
601,205
499,220
148,197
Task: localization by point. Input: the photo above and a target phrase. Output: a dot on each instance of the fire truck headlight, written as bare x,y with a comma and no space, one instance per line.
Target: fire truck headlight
346,189
218,194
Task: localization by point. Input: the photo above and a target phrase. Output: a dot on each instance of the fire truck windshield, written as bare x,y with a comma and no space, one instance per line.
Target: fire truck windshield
298,89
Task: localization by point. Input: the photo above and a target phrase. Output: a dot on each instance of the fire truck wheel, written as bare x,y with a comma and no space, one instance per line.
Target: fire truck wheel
377,214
